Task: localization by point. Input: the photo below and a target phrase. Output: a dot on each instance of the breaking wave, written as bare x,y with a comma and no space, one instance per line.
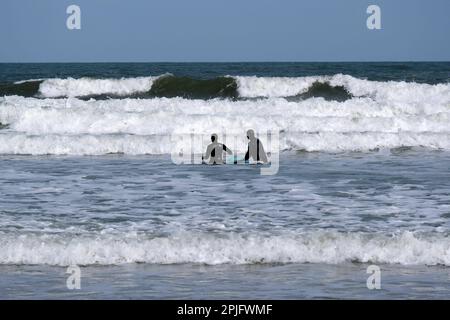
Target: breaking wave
338,87
328,247
53,88
335,113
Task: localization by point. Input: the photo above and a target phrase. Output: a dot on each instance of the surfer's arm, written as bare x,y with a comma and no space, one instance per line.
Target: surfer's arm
207,154
247,154
227,149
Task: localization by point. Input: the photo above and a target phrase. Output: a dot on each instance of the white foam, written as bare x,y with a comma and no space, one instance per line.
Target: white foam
17,143
29,80
164,116
71,87
394,91
386,115
87,144
314,247
252,87
386,92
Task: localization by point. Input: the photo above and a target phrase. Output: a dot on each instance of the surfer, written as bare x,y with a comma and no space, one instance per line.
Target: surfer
255,148
214,151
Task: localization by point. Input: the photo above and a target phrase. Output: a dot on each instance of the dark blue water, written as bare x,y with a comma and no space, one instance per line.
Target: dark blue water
421,72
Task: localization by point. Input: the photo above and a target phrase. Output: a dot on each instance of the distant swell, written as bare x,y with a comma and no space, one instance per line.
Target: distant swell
405,248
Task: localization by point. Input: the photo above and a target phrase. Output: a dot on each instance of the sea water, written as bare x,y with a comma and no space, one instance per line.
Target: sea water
87,179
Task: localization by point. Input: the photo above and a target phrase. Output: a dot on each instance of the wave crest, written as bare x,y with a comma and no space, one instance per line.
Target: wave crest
338,88
54,88
315,247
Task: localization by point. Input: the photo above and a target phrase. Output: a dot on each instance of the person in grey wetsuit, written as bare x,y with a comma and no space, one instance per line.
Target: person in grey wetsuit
214,151
255,149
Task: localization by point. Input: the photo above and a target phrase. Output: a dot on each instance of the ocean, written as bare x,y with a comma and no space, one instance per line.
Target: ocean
90,178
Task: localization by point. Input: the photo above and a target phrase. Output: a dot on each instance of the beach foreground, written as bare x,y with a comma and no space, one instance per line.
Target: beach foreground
310,231
293,281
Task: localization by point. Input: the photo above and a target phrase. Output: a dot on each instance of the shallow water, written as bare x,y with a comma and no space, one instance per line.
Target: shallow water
292,281
198,231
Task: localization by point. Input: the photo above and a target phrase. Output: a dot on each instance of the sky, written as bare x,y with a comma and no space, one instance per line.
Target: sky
224,31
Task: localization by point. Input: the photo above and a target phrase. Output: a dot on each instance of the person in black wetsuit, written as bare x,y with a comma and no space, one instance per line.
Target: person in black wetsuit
214,151
255,148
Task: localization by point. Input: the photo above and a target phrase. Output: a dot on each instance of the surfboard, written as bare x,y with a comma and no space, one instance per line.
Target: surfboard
234,159
230,160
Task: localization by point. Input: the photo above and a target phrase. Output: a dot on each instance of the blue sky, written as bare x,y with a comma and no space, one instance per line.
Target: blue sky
219,30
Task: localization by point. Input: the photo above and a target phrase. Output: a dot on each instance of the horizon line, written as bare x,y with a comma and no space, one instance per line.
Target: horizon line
227,62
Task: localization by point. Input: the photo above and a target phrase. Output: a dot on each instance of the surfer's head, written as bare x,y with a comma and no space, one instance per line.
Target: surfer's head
214,137
250,134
